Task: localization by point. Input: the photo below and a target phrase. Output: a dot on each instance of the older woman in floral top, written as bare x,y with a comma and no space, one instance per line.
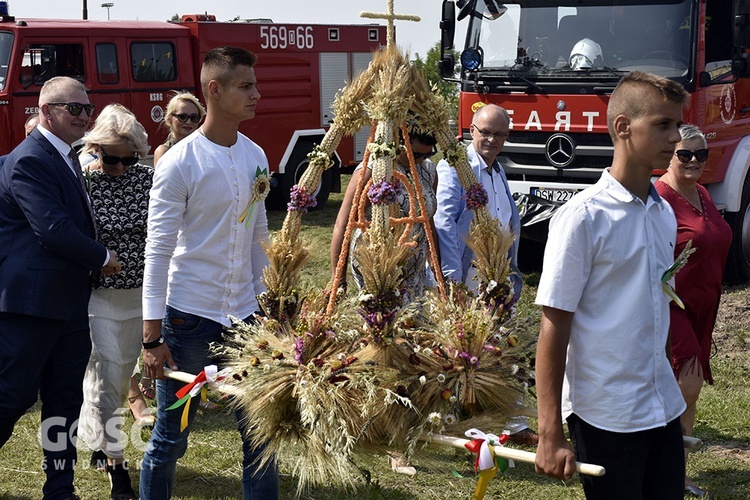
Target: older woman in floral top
118,187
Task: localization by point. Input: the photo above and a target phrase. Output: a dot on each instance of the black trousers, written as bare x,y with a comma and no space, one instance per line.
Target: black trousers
48,358
643,465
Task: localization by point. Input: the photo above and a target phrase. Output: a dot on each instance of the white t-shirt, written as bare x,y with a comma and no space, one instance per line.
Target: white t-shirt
605,256
199,258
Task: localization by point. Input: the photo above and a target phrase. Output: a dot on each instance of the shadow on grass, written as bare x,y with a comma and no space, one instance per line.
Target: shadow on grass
724,483
712,436
197,483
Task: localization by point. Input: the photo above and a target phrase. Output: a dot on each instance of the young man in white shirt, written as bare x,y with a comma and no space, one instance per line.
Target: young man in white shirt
602,353
202,264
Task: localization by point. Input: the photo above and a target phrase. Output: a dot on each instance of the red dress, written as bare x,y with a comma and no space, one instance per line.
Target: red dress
698,284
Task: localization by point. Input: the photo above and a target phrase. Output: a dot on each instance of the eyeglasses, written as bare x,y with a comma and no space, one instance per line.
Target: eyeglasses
426,156
183,117
127,161
75,108
685,155
491,135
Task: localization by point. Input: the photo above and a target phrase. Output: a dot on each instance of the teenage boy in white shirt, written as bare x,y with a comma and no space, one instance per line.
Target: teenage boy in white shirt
602,352
202,263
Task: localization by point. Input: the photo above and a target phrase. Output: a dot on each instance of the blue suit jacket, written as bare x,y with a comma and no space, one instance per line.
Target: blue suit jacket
452,221
47,237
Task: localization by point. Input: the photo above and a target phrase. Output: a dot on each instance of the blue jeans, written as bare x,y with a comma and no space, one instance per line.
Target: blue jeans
188,337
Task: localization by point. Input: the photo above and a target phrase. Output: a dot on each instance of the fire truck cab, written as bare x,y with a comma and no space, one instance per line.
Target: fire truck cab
553,65
140,64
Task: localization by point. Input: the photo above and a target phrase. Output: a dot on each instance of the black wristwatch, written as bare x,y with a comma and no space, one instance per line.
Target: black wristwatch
153,343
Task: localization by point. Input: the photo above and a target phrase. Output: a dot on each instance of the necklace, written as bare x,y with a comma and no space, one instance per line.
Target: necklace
694,197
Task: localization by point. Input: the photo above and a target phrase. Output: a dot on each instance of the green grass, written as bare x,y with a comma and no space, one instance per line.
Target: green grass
211,467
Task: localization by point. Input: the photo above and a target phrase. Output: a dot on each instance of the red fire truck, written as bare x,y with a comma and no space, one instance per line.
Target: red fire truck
518,55
300,69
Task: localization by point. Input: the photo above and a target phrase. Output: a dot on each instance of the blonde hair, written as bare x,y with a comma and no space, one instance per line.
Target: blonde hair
183,96
114,125
628,97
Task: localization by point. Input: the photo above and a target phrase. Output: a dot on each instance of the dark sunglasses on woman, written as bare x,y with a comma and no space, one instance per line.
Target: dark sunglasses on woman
127,161
74,108
183,117
428,155
685,155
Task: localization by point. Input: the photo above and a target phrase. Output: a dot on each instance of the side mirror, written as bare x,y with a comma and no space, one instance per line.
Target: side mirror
447,27
465,7
447,32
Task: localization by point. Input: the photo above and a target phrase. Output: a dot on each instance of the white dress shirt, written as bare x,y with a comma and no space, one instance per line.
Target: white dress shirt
199,258
605,256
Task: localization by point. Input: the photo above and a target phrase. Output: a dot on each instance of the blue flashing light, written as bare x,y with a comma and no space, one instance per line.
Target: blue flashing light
471,59
4,11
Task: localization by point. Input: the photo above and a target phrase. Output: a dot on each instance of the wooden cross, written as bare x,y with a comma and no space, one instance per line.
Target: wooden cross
390,16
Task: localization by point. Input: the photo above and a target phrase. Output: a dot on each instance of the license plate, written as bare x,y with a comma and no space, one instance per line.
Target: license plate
554,194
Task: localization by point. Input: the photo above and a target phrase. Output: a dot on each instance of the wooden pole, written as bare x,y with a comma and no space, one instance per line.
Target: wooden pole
513,454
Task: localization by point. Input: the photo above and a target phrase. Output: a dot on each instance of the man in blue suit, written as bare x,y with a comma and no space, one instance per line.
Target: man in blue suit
489,129
48,251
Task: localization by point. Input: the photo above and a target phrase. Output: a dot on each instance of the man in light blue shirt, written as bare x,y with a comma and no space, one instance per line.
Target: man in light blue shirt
489,130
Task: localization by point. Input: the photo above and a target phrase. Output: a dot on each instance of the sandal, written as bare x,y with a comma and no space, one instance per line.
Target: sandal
146,385
208,405
142,416
400,465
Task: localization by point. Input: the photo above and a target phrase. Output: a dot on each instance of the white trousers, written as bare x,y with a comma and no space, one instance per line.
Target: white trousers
116,344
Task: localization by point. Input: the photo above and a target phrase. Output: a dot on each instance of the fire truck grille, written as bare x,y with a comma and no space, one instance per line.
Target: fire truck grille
580,139
530,159
525,150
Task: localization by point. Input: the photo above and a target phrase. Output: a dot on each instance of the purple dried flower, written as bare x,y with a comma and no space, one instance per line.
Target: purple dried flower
300,200
476,196
299,347
384,192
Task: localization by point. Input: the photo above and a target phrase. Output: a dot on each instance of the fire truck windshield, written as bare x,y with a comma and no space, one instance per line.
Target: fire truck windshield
6,46
538,37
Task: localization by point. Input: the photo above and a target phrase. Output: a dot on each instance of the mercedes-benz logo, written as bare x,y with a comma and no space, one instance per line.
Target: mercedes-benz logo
560,150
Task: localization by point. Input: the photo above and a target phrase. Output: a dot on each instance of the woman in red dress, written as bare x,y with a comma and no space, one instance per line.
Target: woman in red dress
698,284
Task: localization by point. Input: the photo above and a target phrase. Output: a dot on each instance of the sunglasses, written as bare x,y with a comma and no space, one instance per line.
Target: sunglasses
427,156
127,161
685,155
74,108
183,117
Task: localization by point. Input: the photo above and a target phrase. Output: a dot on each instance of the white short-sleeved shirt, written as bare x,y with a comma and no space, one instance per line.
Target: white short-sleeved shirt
605,256
199,258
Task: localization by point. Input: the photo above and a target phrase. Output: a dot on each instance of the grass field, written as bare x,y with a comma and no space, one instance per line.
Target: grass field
211,467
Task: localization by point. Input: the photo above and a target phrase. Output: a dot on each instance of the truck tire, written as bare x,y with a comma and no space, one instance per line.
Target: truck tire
295,167
737,270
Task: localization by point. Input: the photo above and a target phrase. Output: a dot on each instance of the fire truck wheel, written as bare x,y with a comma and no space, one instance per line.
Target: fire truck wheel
737,270
293,173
